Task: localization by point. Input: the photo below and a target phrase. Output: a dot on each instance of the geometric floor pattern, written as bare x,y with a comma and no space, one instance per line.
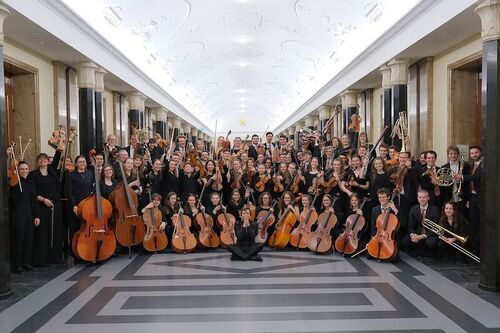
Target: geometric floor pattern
287,292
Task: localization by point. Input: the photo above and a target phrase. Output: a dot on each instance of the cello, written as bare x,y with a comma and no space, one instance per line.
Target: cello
94,241
281,235
299,237
348,241
183,240
207,238
227,221
383,245
264,220
154,239
320,241
129,225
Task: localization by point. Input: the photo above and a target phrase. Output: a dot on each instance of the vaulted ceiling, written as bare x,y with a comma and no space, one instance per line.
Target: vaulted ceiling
247,63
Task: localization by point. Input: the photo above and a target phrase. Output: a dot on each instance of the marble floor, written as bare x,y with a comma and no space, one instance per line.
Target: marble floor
287,292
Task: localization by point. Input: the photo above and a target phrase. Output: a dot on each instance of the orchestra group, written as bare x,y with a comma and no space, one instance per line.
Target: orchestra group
342,195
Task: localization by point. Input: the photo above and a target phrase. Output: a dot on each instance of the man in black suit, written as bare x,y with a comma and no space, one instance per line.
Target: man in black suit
426,181
134,147
252,149
474,197
418,240
450,193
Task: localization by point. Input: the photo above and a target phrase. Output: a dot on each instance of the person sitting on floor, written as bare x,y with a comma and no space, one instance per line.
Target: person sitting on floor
245,247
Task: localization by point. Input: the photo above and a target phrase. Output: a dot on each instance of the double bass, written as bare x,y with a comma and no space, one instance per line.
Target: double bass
264,220
299,237
154,239
94,241
348,241
383,245
129,224
207,238
227,234
183,240
320,241
281,235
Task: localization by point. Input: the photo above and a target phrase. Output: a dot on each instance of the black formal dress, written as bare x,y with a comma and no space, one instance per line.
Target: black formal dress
79,186
245,247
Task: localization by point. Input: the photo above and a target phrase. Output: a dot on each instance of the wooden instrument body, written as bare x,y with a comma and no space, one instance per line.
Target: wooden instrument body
281,236
383,245
261,183
320,240
94,241
300,236
154,239
227,235
183,240
207,238
348,241
129,225
265,219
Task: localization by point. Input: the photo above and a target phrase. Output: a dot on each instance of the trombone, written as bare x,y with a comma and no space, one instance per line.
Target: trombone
441,231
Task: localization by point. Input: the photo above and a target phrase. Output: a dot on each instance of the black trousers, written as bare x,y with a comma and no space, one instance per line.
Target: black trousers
427,246
22,236
43,251
474,226
245,252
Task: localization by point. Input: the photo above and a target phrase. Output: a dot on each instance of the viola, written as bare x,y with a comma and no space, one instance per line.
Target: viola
393,162
329,184
355,124
227,222
207,238
296,183
244,147
226,144
383,245
94,241
57,139
398,177
183,240
154,239
281,236
264,220
261,183
129,224
217,184
348,241
320,241
13,172
235,180
314,186
278,185
192,158
299,237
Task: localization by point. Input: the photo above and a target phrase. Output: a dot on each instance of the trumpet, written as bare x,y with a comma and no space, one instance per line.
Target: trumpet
440,231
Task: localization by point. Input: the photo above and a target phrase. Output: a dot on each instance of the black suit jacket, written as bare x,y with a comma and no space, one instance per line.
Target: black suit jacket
447,192
426,184
376,211
410,183
252,152
476,179
415,220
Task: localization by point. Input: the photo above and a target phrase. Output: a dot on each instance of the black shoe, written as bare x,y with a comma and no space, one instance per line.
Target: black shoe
28,268
16,270
257,258
233,257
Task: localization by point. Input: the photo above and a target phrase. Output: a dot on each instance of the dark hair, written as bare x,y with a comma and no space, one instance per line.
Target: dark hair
21,163
431,152
42,155
156,196
261,197
475,147
267,133
443,219
384,145
453,148
255,135
283,136
384,190
78,157
394,147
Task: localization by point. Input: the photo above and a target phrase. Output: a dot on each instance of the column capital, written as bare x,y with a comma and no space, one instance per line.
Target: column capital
86,74
194,132
4,12
324,112
386,77
298,126
309,120
489,11
176,123
99,79
399,71
161,114
349,98
291,131
136,101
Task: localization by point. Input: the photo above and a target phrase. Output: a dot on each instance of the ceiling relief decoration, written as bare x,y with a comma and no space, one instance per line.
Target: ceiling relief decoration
235,60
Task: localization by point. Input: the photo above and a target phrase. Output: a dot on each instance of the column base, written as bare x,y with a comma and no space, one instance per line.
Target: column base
489,288
7,294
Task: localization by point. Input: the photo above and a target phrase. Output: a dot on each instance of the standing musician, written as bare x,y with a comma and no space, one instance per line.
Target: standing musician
383,151
451,193
170,181
354,181
428,178
379,178
110,149
25,217
345,147
108,183
245,247
474,197
418,241
189,181
134,148
252,149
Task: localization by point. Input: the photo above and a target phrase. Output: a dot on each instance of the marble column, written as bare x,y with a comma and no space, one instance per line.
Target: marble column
387,102
86,102
291,133
489,11
136,111
309,122
161,122
170,128
176,125
5,282
99,116
324,116
350,109
194,135
298,128
399,82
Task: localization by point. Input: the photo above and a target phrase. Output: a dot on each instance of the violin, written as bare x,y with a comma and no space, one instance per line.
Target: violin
217,184
252,208
94,241
296,183
264,220
13,172
69,166
315,185
57,139
299,237
129,224
278,185
355,124
192,158
227,222
348,241
393,162
281,235
320,241
398,177
207,238
235,180
154,239
383,245
244,148
183,240
261,183
226,144
329,184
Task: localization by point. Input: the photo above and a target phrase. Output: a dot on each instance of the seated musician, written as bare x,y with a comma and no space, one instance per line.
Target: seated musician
418,241
214,208
156,203
451,220
245,247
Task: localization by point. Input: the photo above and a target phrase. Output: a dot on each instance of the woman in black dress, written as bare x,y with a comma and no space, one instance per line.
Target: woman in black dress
48,238
24,218
379,178
108,183
451,220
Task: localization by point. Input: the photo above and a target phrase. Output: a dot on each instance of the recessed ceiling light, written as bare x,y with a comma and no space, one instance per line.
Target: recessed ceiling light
243,63
242,91
243,39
